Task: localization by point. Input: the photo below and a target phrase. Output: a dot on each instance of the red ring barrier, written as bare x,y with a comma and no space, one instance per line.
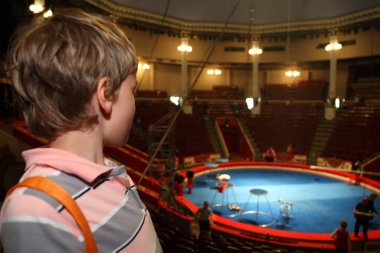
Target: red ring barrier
275,236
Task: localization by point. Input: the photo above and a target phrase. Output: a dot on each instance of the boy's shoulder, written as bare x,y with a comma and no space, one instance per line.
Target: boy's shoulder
24,202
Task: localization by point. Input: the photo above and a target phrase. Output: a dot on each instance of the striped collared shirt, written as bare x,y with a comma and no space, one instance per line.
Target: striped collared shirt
31,221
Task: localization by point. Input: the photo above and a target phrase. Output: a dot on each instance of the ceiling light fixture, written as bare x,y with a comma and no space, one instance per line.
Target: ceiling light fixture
185,47
144,66
48,13
255,51
333,46
292,73
216,72
37,7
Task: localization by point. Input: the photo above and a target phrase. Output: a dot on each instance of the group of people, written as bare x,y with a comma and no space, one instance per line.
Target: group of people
364,211
271,156
179,183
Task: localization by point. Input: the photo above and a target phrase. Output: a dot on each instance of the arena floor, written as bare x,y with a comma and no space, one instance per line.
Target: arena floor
280,199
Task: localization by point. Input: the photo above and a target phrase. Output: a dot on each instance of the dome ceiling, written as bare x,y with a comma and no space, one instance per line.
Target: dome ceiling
265,11
243,18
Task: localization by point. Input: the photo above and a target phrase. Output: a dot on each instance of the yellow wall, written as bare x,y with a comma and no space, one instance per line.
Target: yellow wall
165,72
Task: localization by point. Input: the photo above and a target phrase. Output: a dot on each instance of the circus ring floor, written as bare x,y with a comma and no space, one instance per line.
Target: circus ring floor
319,199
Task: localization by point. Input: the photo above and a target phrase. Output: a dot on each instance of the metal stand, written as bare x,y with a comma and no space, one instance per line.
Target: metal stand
286,208
224,188
258,193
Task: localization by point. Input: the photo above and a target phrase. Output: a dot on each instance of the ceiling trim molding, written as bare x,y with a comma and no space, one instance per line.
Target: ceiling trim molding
122,12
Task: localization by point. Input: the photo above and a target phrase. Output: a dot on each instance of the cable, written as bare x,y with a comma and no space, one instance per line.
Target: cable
205,62
154,43
208,55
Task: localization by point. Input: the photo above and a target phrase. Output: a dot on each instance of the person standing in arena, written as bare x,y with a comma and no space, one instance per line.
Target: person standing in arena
190,182
205,217
342,238
363,214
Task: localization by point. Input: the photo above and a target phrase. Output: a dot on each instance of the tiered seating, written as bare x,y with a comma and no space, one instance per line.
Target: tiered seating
279,125
303,90
175,234
219,92
366,90
151,94
227,242
6,98
192,137
173,230
191,132
148,112
138,142
229,92
219,109
6,158
356,135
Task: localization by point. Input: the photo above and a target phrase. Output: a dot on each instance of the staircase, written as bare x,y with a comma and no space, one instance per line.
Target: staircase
321,137
248,133
210,124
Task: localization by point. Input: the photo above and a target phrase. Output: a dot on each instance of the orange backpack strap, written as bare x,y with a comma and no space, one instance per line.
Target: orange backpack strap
58,193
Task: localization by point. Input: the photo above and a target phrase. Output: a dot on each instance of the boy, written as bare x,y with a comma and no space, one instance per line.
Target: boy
74,75
342,238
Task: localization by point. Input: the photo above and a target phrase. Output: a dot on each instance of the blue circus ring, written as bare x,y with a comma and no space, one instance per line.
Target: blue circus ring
310,240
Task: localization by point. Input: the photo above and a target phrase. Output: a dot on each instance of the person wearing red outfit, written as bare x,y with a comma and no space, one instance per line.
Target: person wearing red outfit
190,178
290,152
178,185
342,238
270,154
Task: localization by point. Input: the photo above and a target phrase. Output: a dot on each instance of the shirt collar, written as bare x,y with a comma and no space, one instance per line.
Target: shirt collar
70,163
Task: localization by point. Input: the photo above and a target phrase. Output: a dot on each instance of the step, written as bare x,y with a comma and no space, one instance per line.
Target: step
322,135
317,149
324,128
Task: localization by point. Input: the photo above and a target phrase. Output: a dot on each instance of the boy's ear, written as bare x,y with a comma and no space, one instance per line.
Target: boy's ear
104,100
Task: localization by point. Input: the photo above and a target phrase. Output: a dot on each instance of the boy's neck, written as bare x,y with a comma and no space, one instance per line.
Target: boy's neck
86,144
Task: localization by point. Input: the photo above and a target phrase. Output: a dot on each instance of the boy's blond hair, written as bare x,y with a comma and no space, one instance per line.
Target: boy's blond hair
55,66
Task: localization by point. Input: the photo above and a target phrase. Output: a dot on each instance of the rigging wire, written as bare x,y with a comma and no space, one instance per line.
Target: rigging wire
212,48
208,55
287,56
154,43
369,160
